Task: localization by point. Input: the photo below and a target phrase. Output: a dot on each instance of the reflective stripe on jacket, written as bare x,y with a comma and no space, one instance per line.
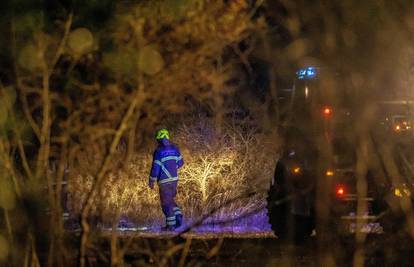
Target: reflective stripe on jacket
166,161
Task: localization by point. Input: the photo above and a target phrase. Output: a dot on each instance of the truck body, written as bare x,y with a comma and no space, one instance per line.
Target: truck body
322,176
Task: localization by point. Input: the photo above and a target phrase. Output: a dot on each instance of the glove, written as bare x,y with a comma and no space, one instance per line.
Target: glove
151,185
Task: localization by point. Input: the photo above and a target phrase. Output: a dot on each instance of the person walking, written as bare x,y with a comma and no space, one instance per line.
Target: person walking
167,160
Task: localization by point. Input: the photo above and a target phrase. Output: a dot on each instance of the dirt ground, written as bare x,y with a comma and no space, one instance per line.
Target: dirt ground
266,250
380,250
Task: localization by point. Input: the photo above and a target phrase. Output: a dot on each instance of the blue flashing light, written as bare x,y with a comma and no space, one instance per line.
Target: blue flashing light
306,73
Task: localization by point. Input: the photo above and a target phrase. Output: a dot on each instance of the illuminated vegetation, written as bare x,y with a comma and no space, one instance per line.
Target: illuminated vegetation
84,84
224,178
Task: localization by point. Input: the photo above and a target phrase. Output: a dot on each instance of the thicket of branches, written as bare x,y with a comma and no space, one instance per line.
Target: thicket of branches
78,93
225,178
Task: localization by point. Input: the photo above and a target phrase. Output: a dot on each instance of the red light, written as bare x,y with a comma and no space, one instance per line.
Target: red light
327,111
340,191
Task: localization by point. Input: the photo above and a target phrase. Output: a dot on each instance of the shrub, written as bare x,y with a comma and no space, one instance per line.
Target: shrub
225,175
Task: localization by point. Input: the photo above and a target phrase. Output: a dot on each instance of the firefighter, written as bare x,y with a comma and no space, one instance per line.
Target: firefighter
166,162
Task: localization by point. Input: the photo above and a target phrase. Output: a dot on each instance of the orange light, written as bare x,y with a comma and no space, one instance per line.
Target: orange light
327,111
296,170
398,127
329,173
340,191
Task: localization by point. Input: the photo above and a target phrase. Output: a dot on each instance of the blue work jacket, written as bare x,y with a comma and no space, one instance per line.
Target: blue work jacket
166,162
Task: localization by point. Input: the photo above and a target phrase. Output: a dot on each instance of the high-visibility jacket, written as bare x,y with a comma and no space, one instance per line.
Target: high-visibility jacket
166,161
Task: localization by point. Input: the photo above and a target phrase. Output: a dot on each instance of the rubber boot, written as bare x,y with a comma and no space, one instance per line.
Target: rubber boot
178,220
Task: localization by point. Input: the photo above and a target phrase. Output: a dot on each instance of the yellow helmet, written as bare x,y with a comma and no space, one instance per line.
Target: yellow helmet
162,133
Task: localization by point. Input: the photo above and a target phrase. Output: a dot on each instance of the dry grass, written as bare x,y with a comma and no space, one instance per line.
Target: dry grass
225,175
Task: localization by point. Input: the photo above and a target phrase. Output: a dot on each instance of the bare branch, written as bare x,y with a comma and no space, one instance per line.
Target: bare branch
169,253
215,250
22,153
27,112
62,44
184,254
136,101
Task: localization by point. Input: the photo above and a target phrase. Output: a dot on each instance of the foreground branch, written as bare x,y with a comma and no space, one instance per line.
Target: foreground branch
100,178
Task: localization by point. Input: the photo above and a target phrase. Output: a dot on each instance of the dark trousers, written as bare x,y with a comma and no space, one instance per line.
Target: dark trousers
168,204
